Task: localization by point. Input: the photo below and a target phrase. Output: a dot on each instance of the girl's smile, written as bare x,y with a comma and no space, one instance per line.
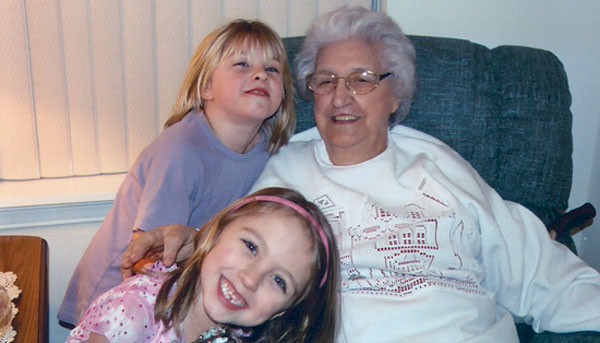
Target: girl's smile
259,92
230,297
258,267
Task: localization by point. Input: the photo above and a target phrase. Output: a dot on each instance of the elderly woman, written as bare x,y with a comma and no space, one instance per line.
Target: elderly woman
423,239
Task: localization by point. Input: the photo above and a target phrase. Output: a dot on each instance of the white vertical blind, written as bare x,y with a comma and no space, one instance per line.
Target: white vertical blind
173,40
79,81
85,85
18,137
49,88
141,103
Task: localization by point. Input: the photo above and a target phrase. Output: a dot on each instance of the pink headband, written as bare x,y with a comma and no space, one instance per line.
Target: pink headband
300,210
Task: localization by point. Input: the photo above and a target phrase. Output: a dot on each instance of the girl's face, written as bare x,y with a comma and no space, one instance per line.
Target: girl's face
244,88
354,127
258,267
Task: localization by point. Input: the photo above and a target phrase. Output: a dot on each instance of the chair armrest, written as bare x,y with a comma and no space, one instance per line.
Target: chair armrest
575,218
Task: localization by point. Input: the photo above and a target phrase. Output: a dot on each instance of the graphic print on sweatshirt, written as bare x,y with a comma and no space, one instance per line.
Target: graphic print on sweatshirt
405,248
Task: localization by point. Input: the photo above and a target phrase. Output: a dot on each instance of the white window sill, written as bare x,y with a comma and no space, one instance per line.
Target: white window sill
59,191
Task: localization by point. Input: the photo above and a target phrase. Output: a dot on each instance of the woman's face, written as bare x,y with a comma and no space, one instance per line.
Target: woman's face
259,265
354,127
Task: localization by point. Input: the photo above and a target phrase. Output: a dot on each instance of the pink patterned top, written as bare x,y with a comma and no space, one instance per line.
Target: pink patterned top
125,313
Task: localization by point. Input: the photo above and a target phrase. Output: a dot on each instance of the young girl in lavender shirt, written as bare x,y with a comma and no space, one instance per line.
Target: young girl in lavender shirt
234,110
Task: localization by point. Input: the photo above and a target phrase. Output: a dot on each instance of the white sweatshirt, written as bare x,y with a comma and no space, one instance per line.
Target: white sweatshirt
430,252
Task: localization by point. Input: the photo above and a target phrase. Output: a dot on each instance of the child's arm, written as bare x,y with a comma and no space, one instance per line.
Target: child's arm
124,313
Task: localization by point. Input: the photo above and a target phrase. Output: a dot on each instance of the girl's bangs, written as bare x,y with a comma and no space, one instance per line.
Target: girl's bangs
251,42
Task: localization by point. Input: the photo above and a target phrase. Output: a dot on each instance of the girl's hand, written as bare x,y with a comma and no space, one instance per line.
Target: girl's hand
170,243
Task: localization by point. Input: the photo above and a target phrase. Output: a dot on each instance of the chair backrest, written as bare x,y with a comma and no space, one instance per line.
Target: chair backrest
505,110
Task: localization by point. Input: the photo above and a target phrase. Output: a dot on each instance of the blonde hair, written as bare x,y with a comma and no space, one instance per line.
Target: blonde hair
311,318
222,43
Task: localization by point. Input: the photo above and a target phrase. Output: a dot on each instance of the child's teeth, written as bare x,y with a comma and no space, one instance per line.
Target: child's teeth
229,295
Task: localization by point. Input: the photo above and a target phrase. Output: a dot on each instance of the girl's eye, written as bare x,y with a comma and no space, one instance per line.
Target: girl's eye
272,70
242,64
251,246
280,282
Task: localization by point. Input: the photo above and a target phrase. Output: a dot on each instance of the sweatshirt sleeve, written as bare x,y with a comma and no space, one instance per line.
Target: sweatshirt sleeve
535,278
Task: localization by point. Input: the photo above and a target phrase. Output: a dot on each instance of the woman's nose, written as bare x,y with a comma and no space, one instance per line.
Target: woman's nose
342,95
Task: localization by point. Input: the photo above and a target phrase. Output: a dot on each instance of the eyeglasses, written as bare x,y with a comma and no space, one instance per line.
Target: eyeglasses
359,83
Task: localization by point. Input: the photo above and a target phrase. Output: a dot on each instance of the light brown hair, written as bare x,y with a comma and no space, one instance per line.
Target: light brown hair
313,315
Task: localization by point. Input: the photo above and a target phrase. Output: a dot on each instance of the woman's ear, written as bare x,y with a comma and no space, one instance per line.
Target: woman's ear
396,105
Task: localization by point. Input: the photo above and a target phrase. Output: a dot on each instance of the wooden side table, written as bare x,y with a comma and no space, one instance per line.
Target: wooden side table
27,257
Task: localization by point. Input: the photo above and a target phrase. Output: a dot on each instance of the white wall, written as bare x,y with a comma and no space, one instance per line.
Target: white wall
567,28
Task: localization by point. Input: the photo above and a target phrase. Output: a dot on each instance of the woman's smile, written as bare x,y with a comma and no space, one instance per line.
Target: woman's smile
344,118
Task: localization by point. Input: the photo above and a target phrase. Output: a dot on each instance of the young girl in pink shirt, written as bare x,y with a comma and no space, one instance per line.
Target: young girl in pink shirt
265,269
